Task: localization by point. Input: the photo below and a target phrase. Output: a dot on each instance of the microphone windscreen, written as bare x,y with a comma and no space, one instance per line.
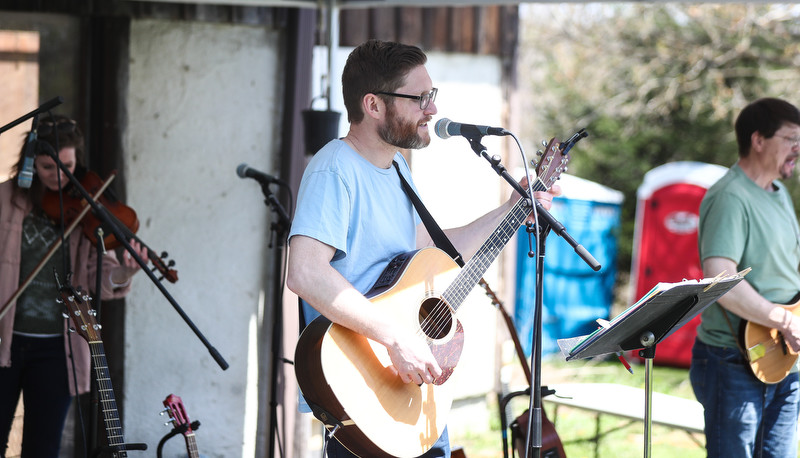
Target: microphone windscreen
441,128
241,170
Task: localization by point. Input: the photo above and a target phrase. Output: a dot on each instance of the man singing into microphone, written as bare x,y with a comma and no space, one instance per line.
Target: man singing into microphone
353,215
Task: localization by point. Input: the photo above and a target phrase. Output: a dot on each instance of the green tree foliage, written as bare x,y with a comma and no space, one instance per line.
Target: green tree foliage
652,83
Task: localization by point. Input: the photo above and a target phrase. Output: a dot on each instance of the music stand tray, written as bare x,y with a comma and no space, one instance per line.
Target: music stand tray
655,316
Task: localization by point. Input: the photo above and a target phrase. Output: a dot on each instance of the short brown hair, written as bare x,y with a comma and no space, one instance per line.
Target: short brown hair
376,66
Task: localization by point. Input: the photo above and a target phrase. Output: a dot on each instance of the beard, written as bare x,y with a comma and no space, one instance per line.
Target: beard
401,134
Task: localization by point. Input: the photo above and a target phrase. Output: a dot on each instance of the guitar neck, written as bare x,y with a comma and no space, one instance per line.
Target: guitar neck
191,446
108,402
473,271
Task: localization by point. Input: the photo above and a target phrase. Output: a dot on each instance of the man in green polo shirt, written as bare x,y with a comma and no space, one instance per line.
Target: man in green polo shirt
747,219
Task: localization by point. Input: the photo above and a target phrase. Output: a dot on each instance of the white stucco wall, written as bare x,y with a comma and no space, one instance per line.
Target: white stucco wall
202,99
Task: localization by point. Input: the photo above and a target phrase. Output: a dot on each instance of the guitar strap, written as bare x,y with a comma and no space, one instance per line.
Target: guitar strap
436,232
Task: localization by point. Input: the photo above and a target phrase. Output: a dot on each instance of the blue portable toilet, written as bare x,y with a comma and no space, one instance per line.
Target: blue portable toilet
574,295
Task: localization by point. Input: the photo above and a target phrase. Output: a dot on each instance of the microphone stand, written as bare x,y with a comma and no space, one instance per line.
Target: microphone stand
545,223
279,231
43,108
108,222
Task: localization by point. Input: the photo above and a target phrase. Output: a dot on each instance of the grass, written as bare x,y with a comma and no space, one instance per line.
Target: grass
575,426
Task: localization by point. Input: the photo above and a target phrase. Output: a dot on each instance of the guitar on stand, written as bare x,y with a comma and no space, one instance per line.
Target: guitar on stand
83,318
173,405
551,443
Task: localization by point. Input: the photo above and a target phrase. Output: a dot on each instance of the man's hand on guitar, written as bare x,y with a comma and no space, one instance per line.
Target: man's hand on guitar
413,361
544,197
790,329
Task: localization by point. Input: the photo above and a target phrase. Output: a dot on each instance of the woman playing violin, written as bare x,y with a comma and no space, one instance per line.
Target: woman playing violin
34,346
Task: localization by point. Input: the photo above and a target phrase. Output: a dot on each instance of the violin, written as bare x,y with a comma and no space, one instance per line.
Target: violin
123,215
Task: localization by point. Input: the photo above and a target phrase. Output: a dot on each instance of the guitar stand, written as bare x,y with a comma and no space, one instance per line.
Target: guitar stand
118,448
502,401
175,431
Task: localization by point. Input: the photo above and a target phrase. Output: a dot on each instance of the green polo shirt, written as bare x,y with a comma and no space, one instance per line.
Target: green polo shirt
755,228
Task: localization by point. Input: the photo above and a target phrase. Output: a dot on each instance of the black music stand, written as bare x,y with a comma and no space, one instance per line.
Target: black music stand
663,310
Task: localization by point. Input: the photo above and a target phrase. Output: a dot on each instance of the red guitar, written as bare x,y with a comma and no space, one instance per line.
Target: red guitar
346,377
177,415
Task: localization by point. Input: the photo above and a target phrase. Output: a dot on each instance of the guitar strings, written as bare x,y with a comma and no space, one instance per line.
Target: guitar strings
440,317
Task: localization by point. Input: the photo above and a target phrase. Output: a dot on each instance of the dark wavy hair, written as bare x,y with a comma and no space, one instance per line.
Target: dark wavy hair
764,116
376,66
53,133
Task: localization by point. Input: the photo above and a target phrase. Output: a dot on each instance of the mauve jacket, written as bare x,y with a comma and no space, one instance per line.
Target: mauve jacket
13,208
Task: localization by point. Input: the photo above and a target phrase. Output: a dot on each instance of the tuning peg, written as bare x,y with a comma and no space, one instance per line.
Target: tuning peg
65,315
544,142
71,329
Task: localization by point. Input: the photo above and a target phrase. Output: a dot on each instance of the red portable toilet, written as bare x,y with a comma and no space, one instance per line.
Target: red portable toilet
665,241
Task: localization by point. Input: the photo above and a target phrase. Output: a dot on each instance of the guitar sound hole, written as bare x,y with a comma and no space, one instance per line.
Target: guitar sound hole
435,318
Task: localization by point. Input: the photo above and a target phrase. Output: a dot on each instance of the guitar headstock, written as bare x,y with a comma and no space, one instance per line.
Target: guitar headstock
80,311
177,413
552,161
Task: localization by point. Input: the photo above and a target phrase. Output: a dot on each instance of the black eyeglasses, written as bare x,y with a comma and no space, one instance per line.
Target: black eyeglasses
424,99
47,127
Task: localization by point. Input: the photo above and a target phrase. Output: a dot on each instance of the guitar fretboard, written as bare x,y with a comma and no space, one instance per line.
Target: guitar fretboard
108,402
191,446
473,271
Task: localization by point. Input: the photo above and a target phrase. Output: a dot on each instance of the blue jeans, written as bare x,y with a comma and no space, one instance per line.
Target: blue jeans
39,370
743,416
441,449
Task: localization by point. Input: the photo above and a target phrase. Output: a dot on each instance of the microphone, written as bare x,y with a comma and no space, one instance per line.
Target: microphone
244,171
25,177
446,128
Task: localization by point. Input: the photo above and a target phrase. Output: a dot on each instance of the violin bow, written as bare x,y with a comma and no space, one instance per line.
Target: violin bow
53,248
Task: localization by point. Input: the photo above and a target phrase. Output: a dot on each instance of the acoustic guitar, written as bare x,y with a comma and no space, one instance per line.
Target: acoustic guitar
770,357
83,317
347,378
180,420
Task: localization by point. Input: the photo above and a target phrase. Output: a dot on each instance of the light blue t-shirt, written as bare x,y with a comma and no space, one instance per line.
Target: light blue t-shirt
357,208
